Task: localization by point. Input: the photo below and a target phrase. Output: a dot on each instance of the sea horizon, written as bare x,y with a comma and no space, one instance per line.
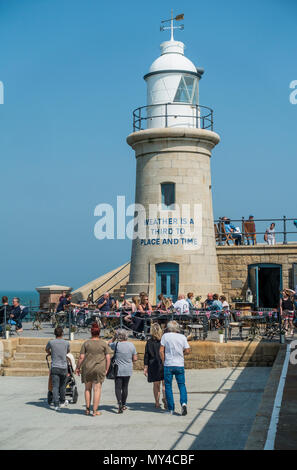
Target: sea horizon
26,296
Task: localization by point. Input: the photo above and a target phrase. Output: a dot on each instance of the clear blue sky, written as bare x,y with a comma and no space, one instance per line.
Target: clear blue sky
72,72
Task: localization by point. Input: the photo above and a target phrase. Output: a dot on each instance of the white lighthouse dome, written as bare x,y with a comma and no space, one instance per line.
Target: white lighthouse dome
172,58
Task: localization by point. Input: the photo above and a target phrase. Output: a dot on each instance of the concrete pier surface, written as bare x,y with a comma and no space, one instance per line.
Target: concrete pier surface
222,405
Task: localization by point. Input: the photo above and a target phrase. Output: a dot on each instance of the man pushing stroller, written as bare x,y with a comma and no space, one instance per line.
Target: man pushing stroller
58,349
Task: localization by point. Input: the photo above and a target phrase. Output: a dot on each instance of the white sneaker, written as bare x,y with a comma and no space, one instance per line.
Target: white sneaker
56,408
63,405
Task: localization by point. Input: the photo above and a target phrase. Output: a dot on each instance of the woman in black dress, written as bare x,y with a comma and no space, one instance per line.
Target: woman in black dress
153,367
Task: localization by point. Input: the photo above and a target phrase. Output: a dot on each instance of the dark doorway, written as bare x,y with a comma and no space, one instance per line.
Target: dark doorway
265,280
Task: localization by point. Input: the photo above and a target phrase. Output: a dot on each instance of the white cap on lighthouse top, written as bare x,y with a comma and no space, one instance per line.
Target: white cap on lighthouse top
172,58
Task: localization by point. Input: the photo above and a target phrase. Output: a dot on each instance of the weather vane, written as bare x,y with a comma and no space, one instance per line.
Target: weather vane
172,27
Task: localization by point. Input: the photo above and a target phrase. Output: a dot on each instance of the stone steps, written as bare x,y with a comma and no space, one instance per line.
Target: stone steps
24,372
35,356
34,341
29,358
31,348
28,364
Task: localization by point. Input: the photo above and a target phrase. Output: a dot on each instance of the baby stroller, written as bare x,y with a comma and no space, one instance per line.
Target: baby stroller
71,388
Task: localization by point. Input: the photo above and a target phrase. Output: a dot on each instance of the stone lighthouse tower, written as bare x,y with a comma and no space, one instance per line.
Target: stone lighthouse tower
173,250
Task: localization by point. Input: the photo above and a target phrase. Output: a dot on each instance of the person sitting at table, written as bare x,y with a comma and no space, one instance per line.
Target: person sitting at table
181,306
216,309
122,303
134,308
144,305
62,306
190,299
208,301
105,303
65,301
138,320
161,306
168,303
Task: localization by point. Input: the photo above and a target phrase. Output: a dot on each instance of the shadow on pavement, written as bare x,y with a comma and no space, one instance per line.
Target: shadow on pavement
227,425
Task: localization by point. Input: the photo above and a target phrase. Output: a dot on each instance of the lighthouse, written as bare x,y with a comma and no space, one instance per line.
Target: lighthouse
173,247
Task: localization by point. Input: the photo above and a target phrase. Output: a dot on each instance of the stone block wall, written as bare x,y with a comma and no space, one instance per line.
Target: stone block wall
233,264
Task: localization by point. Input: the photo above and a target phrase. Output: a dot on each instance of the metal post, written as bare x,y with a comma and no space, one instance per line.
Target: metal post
285,231
226,327
5,323
92,295
280,326
242,229
69,322
139,119
196,116
220,232
166,116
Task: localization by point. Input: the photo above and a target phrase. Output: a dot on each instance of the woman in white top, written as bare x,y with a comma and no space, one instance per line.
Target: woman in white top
270,234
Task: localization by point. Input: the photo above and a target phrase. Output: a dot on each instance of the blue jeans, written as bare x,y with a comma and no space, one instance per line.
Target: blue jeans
179,373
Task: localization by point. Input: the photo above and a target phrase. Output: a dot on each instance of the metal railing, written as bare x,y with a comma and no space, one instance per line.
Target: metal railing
202,116
265,317
245,236
91,294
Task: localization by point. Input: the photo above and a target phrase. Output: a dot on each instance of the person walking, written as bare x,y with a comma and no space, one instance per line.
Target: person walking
172,350
58,349
153,366
93,364
125,355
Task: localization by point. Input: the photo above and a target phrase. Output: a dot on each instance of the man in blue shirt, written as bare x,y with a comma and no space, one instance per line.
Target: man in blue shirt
105,303
230,228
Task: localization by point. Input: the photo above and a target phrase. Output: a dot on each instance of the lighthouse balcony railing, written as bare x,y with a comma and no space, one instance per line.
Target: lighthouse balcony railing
285,231
166,115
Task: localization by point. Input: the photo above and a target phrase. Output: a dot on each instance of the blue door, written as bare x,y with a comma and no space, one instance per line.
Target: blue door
167,280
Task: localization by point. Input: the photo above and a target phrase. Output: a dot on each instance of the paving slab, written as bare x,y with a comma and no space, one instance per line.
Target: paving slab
222,407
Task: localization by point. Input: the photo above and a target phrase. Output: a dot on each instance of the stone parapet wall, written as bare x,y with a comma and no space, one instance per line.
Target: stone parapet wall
209,354
204,355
